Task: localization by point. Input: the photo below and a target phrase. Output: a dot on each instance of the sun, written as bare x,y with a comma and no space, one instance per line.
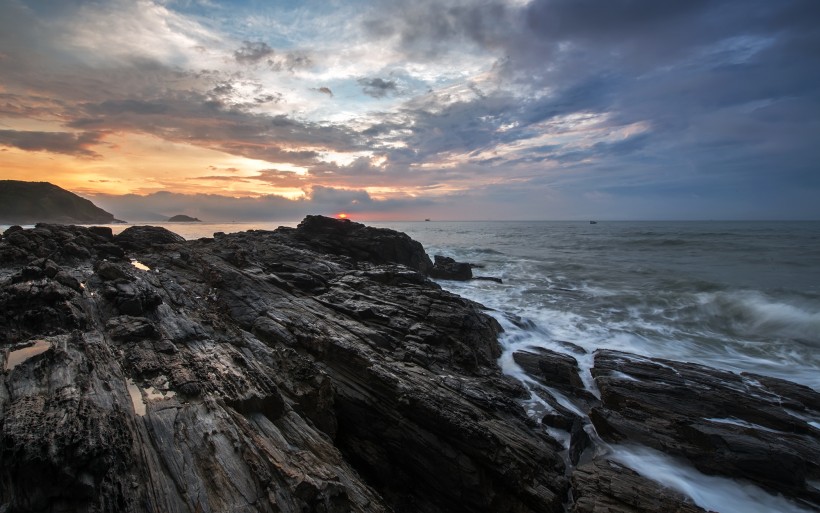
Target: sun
342,215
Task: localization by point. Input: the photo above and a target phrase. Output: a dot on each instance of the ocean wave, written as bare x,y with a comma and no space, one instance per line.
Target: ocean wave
752,313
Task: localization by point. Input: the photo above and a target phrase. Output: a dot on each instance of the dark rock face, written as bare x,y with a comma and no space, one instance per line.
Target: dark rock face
318,369
362,243
551,368
606,486
262,371
36,202
144,237
745,426
445,268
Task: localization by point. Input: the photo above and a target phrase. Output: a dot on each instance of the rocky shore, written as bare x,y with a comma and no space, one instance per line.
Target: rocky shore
320,369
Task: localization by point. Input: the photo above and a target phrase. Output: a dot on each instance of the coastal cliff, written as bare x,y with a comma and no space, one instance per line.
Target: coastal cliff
34,202
319,369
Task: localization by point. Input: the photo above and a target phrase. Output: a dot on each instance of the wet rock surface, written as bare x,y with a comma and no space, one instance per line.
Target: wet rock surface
446,268
314,369
744,426
319,369
607,486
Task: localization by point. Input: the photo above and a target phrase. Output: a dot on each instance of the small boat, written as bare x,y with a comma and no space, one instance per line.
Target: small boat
427,220
593,222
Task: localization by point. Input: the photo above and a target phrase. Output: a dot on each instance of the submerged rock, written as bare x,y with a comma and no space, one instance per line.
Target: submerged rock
446,268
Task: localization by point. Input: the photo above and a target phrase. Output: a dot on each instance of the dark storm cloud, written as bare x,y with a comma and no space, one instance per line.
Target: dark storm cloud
378,87
194,118
429,28
76,144
725,88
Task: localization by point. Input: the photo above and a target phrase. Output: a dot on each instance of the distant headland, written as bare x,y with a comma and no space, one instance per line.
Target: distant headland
181,218
43,202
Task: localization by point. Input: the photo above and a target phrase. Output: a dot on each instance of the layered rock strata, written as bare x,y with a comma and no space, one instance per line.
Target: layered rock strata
297,370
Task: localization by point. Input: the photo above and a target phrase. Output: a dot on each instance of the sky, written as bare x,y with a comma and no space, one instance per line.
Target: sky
394,110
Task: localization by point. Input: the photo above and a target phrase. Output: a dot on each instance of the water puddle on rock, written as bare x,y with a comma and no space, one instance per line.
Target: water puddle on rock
19,356
140,265
136,398
141,396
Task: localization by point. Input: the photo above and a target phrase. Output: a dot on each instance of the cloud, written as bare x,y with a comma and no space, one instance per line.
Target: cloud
429,29
378,87
472,93
75,144
195,118
253,52
133,31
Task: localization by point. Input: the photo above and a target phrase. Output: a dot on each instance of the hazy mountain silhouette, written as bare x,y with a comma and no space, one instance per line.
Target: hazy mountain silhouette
35,202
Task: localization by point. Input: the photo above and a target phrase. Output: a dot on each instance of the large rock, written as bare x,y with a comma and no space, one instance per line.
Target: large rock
264,371
742,426
144,237
606,486
360,242
551,368
319,369
446,268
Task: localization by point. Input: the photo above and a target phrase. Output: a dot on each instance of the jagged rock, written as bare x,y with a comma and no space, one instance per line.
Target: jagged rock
144,237
67,280
296,370
722,422
128,328
318,369
102,231
109,271
446,268
551,368
360,242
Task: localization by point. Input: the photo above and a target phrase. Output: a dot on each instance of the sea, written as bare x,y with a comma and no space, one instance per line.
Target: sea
741,296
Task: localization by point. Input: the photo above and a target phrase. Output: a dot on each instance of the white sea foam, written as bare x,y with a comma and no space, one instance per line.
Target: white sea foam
691,327
713,493
752,312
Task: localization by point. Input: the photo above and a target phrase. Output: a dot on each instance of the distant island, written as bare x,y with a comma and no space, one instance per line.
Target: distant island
183,219
43,202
